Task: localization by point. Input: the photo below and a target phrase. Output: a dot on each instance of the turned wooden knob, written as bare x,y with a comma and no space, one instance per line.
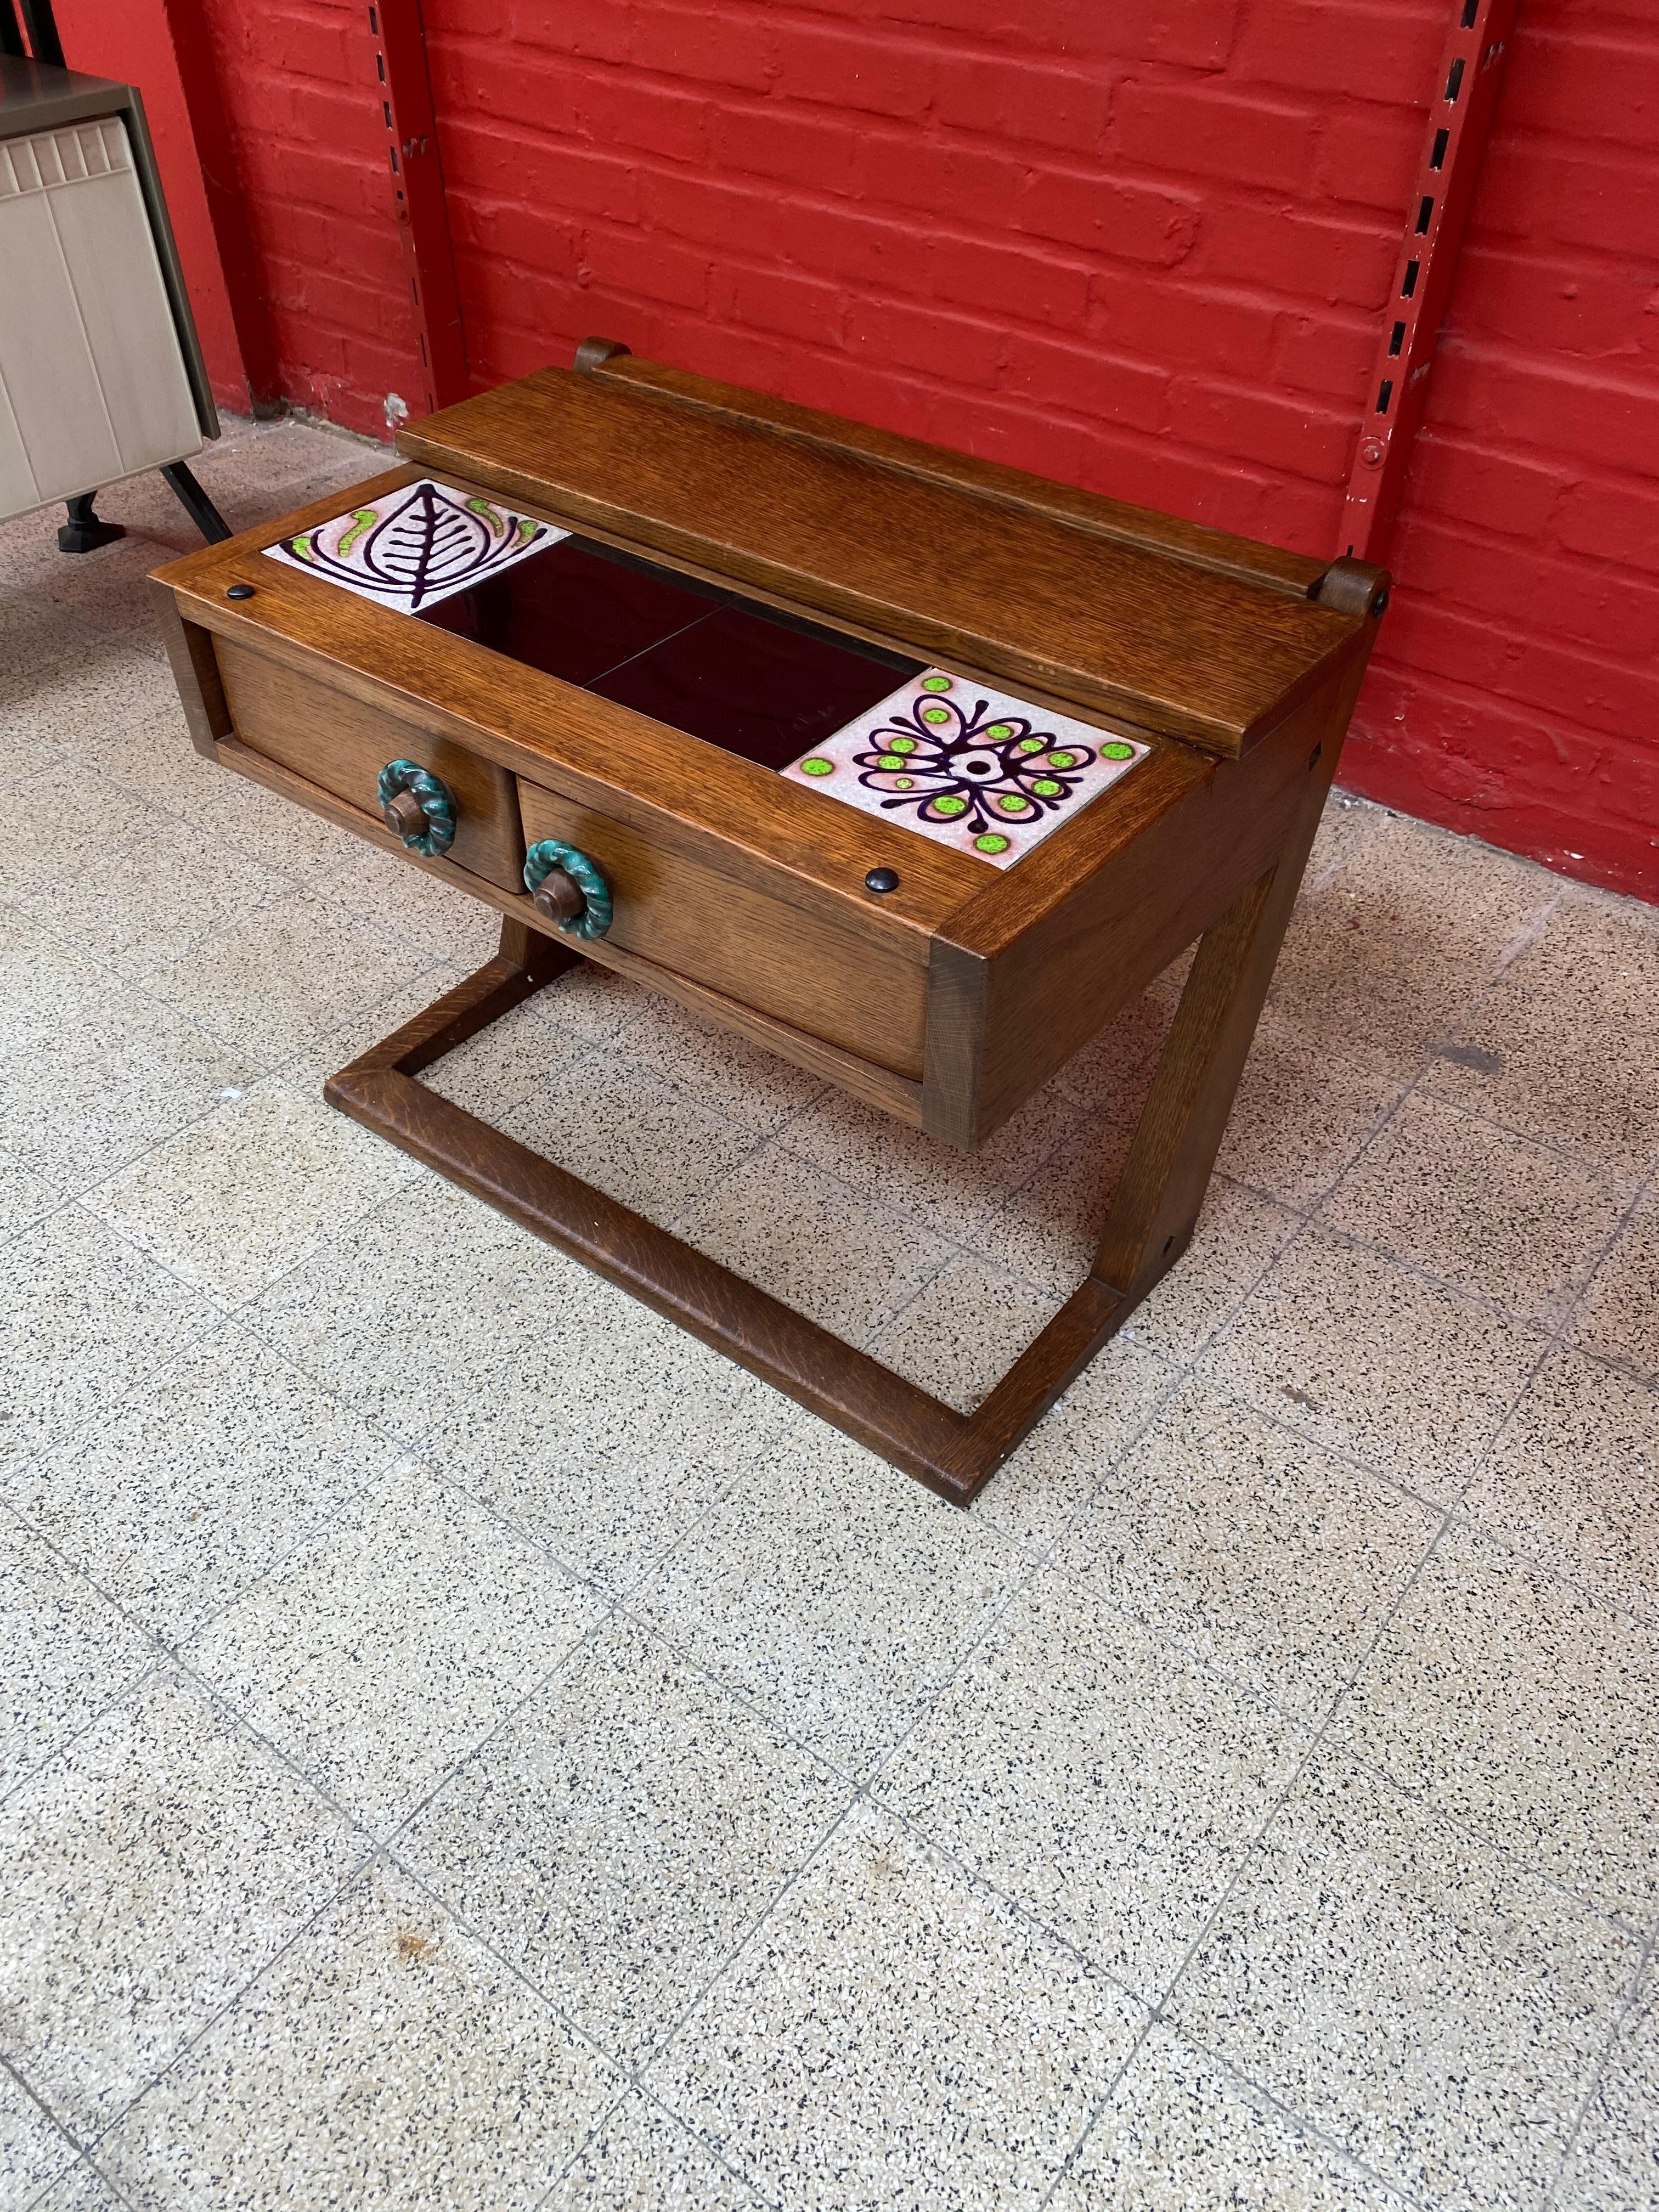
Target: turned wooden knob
559,897
405,816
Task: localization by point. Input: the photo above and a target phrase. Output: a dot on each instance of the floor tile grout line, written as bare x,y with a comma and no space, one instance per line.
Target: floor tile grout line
637,2088
686,1654
726,1692
1627,1929
1317,1217
376,1847
1315,1751
1571,1314
160,1658
1253,2093
742,1476
1319,1749
220,1320
1635,1997
372,1207
1453,1504
60,2128
223,2011
331,1897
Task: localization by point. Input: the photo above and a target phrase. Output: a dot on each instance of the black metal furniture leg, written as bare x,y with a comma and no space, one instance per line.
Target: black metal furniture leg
196,503
85,531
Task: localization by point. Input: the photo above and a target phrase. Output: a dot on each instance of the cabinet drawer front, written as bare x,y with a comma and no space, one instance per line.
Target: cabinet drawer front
336,742
749,944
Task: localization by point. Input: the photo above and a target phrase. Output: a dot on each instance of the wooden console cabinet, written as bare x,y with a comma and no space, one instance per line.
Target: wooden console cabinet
889,929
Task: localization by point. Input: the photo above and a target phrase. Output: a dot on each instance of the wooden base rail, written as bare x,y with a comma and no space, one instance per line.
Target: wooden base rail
1149,1226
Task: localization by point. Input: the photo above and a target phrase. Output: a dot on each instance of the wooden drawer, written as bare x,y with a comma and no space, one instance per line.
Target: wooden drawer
865,991
336,741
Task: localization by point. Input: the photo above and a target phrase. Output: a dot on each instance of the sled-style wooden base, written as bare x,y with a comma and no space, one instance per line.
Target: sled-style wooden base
1149,1225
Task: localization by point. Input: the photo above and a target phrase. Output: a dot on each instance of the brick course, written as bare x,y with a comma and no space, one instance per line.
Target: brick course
1144,246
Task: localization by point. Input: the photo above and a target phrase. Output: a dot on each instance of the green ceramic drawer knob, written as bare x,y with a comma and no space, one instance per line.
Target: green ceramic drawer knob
568,889
417,807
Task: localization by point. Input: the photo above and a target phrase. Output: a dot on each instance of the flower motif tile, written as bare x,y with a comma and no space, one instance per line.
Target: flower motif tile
416,546
969,766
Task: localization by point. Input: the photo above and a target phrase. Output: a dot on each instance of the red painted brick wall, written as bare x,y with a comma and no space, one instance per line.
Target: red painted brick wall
1141,245
1518,695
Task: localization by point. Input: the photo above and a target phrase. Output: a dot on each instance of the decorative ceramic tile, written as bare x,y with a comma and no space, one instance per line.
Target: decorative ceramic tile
967,765
416,546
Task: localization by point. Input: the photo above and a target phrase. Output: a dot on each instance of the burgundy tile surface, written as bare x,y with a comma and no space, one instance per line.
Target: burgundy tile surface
687,654
573,611
756,685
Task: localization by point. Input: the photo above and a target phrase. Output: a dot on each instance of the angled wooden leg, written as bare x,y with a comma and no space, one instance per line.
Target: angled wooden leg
1150,1220
1167,1173
1162,1186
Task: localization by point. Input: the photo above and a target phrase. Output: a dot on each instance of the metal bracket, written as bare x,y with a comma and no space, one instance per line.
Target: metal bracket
404,87
1459,116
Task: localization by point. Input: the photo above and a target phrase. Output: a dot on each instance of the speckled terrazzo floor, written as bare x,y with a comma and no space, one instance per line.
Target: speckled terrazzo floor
462,1745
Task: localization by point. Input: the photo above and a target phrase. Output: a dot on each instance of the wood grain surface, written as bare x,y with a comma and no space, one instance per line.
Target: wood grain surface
880,1087
1297,574
1214,658
337,742
865,992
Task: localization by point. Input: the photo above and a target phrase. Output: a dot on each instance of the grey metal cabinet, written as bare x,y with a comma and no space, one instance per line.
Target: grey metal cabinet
100,371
